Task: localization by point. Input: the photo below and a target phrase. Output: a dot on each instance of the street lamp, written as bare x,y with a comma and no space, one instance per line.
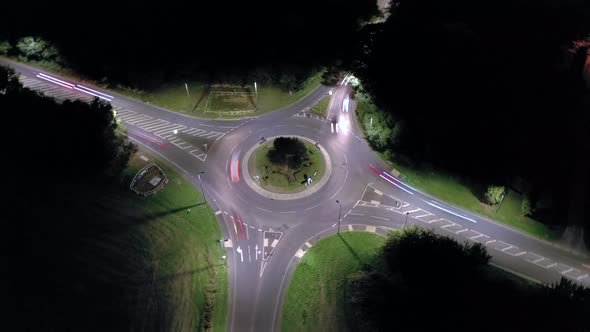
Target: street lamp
407,213
339,211
188,96
201,184
256,91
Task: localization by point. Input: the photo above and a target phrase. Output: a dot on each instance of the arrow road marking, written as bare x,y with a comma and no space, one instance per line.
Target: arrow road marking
239,250
257,251
249,257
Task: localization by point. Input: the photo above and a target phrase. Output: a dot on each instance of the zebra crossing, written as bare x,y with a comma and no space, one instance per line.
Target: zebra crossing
169,131
53,90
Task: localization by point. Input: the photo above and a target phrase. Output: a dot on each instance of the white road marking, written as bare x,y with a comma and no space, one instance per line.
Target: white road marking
379,218
259,208
451,212
356,214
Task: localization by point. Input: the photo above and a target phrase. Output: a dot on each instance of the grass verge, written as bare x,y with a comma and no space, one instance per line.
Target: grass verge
173,96
181,249
451,189
321,108
316,296
270,177
192,98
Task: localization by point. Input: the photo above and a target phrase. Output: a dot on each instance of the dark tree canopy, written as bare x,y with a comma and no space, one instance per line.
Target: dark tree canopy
62,155
432,283
143,44
486,90
289,151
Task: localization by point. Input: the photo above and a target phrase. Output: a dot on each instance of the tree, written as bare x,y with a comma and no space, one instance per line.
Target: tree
288,151
8,81
36,48
5,47
494,194
527,207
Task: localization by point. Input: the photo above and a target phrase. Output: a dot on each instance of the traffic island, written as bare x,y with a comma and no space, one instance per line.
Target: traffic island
279,177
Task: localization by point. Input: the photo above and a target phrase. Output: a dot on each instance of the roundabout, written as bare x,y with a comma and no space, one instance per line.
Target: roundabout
356,189
253,175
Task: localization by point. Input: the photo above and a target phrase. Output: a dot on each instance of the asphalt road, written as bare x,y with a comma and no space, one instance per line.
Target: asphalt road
256,225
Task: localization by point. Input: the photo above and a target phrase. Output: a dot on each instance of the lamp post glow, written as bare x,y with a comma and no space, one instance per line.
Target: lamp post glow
339,211
256,91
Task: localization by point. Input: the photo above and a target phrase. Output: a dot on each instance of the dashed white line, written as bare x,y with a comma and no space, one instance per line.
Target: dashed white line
259,208
379,218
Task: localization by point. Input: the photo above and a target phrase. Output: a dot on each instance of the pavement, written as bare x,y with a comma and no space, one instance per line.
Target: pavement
266,236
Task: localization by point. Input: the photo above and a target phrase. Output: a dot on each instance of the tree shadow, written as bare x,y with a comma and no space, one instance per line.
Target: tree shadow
188,273
205,92
354,254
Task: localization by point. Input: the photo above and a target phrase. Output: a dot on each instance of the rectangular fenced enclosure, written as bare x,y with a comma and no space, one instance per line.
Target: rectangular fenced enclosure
226,101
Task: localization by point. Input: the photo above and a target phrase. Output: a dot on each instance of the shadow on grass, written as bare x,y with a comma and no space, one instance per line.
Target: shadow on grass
205,92
363,264
189,273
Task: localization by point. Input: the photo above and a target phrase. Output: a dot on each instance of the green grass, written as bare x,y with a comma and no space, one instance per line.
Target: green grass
315,300
173,96
219,102
453,191
258,163
321,108
188,282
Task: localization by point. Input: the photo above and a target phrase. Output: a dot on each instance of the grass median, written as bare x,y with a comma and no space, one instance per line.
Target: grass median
321,108
316,297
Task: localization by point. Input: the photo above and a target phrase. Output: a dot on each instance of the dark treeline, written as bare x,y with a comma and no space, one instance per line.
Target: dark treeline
63,157
491,91
425,282
142,43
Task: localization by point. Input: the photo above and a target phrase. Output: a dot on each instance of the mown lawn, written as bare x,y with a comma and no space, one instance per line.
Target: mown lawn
173,96
453,191
176,254
315,300
260,165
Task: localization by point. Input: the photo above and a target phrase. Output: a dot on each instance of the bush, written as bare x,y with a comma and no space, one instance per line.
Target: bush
5,47
37,49
494,194
527,207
